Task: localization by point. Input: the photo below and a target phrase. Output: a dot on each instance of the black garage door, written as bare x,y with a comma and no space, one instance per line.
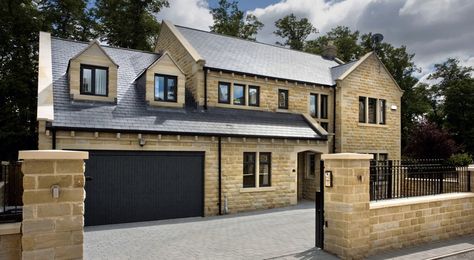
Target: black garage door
126,186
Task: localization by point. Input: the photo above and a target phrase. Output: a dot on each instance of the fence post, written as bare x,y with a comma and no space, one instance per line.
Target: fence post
470,179
53,204
390,179
346,205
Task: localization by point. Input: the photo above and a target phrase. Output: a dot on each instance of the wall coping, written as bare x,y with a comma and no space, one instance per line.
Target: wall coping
52,155
347,156
10,228
470,167
418,200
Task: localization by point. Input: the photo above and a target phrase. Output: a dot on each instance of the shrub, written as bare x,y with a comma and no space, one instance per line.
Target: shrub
460,159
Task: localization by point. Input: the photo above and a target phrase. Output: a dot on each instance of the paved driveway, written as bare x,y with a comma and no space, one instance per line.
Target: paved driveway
285,233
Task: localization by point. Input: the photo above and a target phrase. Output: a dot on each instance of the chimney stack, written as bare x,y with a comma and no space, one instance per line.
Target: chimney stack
329,51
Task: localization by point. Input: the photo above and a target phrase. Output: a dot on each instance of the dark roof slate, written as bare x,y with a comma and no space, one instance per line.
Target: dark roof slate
234,54
131,113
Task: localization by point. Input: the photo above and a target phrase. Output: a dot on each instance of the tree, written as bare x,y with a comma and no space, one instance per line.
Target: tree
68,19
293,31
229,20
343,38
453,101
20,22
129,24
428,141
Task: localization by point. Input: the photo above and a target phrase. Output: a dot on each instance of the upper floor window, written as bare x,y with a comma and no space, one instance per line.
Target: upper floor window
324,106
239,94
224,92
313,105
372,110
283,98
362,115
254,96
94,80
382,111
165,88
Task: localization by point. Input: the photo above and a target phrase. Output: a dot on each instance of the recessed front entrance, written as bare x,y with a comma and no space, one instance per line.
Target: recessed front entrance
130,186
309,170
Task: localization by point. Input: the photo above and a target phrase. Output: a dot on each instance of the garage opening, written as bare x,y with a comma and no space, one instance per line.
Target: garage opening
131,186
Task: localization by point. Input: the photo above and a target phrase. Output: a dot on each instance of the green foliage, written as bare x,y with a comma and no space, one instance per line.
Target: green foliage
293,31
68,19
460,159
129,24
453,101
20,22
229,20
343,38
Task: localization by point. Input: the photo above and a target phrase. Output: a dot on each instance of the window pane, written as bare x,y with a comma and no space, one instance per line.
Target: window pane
100,82
383,157
171,89
325,125
382,111
283,98
264,169
254,96
324,106
312,164
223,92
313,105
249,170
362,109
87,80
239,94
372,110
159,88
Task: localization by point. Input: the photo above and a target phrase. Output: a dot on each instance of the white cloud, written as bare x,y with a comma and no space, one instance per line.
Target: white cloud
190,13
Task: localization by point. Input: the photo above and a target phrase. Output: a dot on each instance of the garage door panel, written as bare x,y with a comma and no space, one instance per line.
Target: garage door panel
143,186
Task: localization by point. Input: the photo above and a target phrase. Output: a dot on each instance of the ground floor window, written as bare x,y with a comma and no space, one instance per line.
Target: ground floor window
254,162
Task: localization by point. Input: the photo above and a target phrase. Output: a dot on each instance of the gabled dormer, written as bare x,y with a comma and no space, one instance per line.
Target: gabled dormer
165,83
93,75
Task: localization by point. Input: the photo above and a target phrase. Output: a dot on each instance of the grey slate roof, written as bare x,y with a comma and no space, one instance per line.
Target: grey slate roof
131,113
233,54
339,70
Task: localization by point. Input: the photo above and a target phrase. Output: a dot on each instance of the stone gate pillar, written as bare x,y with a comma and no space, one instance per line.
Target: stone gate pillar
346,205
53,204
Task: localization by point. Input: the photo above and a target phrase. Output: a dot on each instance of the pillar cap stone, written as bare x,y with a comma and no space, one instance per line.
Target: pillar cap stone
52,155
347,156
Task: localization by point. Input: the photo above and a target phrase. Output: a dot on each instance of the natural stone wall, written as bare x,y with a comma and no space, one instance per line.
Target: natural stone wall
10,241
346,205
370,80
284,163
441,217
53,227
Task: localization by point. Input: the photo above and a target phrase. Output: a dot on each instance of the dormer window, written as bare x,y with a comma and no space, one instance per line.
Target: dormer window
94,80
166,88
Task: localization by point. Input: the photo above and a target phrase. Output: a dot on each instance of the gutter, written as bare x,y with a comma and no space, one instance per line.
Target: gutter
219,159
108,130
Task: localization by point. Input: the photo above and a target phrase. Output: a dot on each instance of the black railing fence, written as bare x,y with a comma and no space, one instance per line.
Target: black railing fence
410,178
11,192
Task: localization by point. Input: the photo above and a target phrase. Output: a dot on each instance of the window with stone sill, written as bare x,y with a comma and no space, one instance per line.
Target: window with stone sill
94,80
251,161
372,110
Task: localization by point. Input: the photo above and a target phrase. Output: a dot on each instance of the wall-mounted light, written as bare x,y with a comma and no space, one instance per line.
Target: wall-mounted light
141,141
55,191
394,107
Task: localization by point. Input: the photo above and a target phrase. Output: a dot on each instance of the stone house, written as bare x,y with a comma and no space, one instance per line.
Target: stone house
208,124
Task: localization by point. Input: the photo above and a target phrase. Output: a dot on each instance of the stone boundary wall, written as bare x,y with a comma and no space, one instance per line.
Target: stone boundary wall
406,222
10,241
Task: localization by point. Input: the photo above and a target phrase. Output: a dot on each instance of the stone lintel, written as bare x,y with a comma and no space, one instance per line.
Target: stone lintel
52,155
347,156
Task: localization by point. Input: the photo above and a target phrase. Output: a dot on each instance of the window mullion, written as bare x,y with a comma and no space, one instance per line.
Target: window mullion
93,81
257,169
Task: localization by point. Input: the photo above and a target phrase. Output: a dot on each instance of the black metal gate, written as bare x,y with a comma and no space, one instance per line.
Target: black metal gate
320,210
129,186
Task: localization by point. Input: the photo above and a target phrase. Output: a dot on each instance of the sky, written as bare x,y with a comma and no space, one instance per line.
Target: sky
432,29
